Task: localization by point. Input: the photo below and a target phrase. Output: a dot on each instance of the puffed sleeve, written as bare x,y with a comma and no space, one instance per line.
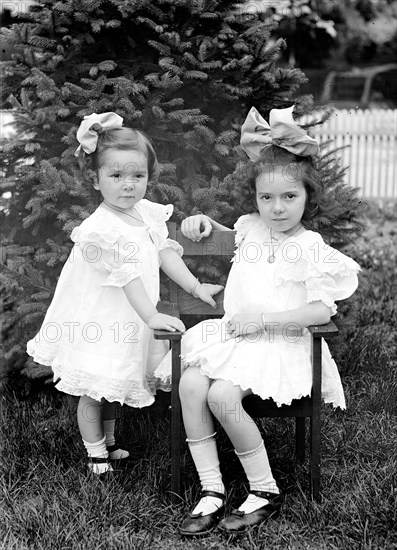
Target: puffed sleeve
327,274
243,225
157,215
105,248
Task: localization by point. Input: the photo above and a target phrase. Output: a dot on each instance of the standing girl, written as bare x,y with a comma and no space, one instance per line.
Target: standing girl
97,333
283,276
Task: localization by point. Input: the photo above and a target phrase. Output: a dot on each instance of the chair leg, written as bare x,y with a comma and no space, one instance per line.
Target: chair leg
315,424
315,459
175,431
300,438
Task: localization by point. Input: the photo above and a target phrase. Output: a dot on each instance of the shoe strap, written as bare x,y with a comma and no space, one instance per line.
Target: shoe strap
264,494
97,460
112,448
215,494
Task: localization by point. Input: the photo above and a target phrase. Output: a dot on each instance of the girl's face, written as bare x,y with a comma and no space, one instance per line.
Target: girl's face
122,177
281,201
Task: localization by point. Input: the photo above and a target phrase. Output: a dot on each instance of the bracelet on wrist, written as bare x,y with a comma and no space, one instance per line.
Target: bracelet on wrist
263,322
194,289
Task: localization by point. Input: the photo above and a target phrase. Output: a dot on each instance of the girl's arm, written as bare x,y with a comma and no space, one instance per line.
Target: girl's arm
173,265
140,301
315,313
199,226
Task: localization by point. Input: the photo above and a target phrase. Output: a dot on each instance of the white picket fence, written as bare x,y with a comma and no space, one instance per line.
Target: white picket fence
371,152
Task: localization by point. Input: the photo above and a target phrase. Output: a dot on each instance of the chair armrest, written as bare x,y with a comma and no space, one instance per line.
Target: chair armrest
168,308
323,330
167,335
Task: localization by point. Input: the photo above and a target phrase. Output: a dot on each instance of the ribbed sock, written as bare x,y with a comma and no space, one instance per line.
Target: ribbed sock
205,458
259,474
98,450
108,428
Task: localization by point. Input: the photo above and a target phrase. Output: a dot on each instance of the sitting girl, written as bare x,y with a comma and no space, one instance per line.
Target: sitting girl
283,277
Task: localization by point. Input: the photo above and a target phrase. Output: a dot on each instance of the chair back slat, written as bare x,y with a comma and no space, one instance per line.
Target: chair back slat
188,305
219,243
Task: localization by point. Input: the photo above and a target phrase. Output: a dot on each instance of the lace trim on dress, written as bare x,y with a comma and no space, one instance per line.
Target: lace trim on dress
160,213
205,369
37,355
129,392
170,243
244,224
303,269
156,215
330,381
284,399
86,235
122,276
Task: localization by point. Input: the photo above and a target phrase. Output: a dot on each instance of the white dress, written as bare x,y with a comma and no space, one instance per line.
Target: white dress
93,339
274,365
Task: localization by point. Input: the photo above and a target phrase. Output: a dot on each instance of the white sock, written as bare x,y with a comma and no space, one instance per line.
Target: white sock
98,450
205,458
259,474
108,428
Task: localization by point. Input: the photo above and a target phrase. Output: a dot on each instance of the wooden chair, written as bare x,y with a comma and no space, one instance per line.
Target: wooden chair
221,243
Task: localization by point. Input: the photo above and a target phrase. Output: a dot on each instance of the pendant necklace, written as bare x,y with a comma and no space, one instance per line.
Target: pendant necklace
272,258
133,217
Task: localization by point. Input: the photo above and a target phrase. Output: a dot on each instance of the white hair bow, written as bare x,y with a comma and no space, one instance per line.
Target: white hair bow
256,134
92,126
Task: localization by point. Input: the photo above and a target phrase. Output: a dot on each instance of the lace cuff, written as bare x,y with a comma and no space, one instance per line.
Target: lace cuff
170,243
122,276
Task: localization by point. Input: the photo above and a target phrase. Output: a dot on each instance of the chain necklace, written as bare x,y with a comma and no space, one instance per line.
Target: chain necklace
134,217
272,257
125,213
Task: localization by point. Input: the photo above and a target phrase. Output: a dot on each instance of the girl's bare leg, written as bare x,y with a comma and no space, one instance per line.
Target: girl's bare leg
193,391
89,418
224,401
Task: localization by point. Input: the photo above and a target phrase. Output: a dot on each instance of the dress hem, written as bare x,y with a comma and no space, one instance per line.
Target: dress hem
198,363
97,396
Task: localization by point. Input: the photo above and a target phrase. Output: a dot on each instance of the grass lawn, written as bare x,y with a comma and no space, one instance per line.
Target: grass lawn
48,502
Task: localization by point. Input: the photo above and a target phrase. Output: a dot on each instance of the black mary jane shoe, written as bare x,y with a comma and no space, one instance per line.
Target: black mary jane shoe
97,460
239,521
114,448
198,524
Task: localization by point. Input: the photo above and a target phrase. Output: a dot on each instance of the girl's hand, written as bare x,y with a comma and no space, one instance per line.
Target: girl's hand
244,323
196,227
160,321
205,291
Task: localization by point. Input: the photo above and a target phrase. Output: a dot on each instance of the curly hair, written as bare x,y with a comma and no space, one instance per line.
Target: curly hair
293,167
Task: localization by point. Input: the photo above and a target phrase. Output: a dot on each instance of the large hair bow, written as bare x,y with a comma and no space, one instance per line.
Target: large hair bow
256,134
92,126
